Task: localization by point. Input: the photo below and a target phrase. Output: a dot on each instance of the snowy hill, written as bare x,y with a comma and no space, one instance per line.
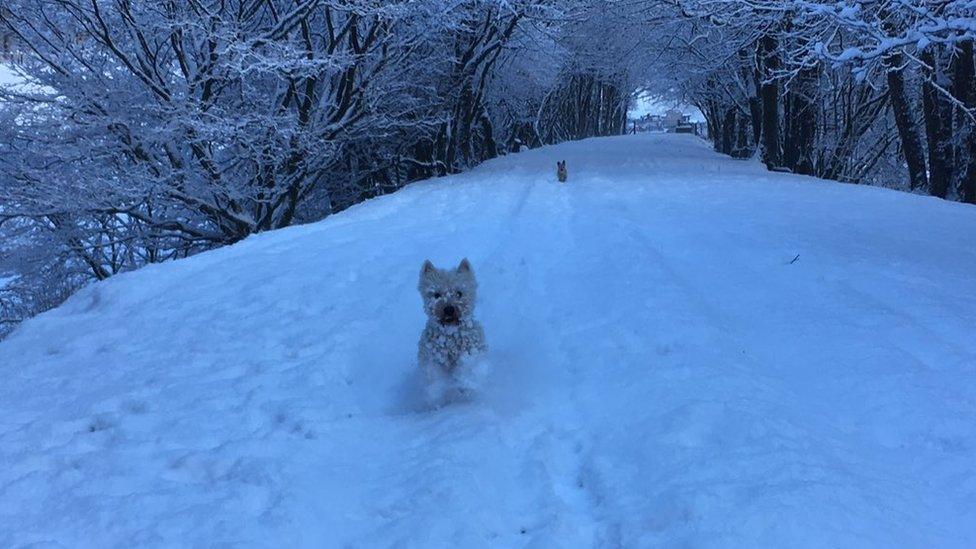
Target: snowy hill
666,372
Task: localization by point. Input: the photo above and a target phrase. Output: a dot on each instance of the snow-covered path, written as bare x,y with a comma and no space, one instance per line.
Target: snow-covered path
665,372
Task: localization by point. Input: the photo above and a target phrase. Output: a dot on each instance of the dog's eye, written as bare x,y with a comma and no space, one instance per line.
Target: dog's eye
437,295
458,294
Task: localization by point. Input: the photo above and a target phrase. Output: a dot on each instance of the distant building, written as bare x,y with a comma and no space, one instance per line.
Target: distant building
648,123
673,118
673,121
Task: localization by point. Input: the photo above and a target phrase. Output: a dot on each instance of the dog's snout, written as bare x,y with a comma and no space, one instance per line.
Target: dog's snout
450,315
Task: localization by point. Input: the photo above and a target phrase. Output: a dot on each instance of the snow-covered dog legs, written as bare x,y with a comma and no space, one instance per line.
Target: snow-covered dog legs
463,383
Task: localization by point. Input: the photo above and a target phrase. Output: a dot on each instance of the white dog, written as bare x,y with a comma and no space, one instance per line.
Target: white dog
452,339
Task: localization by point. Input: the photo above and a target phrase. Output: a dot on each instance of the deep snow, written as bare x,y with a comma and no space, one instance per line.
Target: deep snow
663,372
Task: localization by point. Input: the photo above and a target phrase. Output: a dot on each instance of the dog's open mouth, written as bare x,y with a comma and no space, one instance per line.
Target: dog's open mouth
450,316
450,320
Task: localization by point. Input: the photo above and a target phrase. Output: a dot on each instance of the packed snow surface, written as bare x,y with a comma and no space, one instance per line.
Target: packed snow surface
685,351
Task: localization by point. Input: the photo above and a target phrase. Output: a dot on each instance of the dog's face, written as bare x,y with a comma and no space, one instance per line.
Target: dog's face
448,294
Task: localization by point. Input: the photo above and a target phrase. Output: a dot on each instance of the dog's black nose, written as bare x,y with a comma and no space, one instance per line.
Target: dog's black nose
450,310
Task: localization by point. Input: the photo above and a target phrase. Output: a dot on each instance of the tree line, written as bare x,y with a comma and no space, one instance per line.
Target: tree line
143,131
868,92
149,131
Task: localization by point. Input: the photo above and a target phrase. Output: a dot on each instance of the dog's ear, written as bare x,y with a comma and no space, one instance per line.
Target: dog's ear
427,268
465,266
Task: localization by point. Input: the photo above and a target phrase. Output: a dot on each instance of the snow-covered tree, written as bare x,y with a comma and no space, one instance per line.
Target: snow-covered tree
147,131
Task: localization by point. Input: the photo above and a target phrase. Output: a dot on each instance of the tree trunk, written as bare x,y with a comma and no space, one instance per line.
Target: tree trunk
741,149
965,86
751,76
728,130
713,119
489,148
800,118
769,96
905,121
938,127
